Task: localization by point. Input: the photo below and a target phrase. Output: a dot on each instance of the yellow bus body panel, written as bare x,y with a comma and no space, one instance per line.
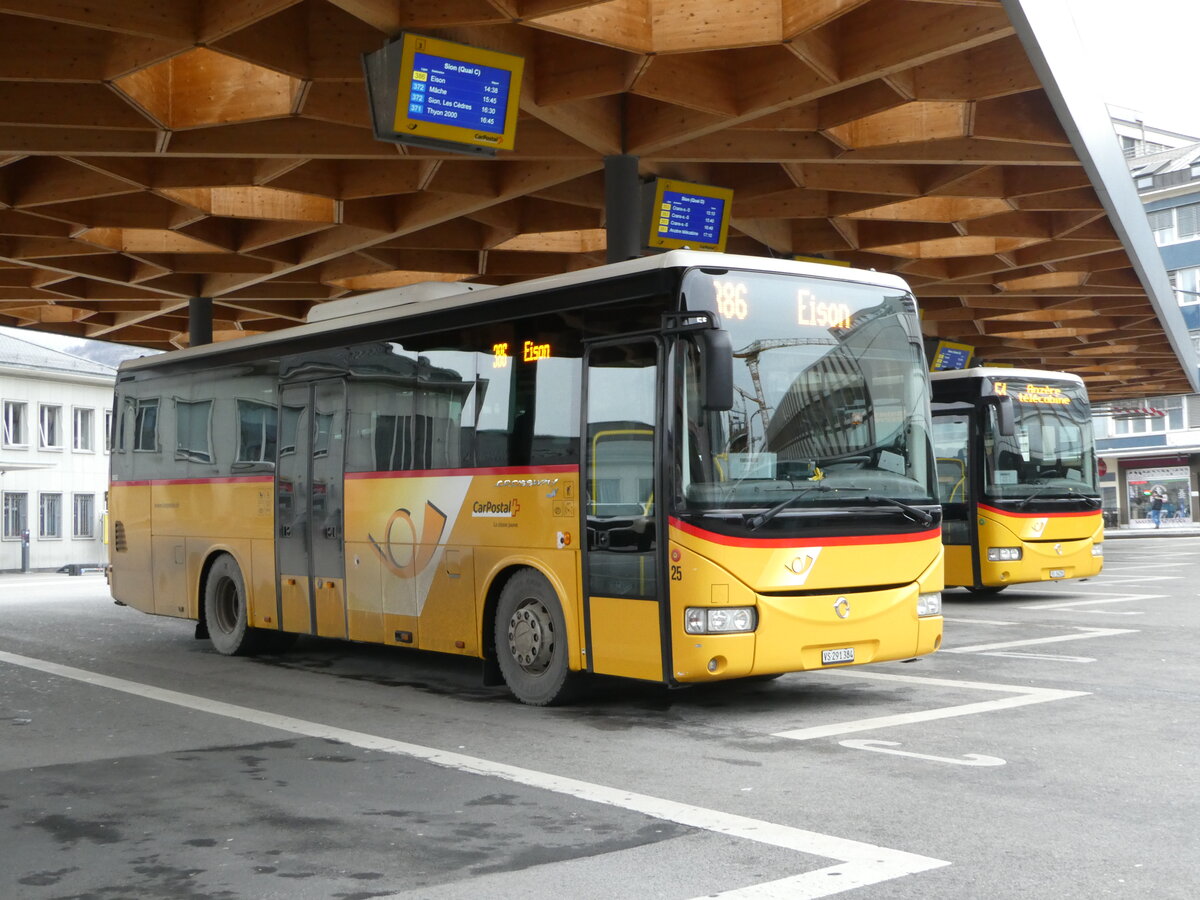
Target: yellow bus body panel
171,529
431,546
959,565
626,638
1049,543
798,592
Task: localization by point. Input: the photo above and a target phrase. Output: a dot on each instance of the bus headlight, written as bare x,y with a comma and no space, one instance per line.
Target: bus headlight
1097,549
718,620
1004,554
929,604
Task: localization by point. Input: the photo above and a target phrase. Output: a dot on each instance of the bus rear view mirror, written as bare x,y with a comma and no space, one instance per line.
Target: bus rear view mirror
716,362
1005,419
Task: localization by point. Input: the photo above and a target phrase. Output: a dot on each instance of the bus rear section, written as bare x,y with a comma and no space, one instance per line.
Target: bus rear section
1017,478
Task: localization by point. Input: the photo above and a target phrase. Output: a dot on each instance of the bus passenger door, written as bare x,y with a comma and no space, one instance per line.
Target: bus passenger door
953,445
623,597
309,508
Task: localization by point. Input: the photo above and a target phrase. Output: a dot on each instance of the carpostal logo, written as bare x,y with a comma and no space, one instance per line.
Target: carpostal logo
489,509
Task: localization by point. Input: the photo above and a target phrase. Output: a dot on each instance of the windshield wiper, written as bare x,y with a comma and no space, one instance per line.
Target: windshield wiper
756,522
912,513
1093,502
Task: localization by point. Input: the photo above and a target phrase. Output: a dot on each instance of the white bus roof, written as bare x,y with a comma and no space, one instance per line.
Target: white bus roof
397,303
1003,372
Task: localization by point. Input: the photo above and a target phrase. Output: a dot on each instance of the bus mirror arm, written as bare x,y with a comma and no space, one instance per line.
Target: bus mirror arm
716,361
1005,419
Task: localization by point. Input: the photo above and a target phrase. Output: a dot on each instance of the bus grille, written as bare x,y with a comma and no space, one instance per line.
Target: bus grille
119,542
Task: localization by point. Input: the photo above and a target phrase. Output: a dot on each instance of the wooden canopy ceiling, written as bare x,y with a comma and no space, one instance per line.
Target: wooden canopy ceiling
157,150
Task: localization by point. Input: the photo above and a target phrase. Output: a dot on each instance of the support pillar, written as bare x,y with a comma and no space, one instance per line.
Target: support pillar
622,208
200,321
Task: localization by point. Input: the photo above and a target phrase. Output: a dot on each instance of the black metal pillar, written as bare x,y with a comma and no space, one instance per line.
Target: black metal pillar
200,319
622,208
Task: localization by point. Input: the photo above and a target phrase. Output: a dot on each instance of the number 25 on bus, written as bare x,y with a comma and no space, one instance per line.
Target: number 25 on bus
681,469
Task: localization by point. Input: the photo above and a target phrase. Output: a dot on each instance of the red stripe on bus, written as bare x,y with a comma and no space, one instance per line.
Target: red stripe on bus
1035,515
439,473
227,479
860,540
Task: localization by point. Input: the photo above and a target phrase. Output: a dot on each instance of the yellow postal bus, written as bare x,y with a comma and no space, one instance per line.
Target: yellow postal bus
1016,462
685,468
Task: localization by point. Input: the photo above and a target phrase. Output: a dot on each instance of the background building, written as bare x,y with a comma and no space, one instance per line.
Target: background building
1156,440
56,416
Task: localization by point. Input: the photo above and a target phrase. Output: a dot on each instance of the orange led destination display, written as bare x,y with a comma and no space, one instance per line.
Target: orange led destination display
1035,393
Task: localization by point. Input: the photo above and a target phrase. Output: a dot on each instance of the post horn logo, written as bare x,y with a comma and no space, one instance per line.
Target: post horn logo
419,552
803,563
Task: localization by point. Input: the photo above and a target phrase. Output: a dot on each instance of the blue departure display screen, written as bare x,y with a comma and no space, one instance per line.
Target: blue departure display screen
690,217
950,358
447,91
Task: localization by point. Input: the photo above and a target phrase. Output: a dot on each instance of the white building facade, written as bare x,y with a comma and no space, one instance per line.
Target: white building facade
55,414
1153,442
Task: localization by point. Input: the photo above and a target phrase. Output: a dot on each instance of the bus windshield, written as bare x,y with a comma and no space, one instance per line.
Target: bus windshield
1051,452
830,397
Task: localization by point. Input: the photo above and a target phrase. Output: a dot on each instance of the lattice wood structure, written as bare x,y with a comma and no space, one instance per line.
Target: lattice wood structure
157,150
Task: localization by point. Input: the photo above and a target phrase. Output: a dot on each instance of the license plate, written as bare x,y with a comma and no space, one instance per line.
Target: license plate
1058,573
843,655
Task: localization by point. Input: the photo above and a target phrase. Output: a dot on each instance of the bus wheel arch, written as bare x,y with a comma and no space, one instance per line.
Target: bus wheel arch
224,606
528,637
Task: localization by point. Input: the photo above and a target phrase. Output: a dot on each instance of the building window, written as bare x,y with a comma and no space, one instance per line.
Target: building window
145,425
1187,221
192,439
50,515
84,516
50,436
16,431
16,515
108,435
1186,283
84,431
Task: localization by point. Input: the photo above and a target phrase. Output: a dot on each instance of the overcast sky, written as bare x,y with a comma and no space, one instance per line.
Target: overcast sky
1144,57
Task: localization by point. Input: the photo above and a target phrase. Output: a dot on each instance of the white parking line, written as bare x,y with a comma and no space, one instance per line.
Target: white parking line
1123,598
859,864
1024,696
1028,642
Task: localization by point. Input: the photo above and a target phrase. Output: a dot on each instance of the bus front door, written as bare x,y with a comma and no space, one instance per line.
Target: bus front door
624,600
309,538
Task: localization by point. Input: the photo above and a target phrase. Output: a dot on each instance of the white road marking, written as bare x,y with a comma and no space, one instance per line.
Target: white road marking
1121,598
1050,657
1084,634
1024,696
859,864
967,759
958,621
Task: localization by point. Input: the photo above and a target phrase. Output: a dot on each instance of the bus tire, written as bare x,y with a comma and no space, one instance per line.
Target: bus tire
225,610
531,641
987,589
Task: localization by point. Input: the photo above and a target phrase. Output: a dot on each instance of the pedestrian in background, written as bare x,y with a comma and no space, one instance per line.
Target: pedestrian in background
1157,496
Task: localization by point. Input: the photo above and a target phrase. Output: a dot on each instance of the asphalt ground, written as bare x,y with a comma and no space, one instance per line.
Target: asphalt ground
1049,750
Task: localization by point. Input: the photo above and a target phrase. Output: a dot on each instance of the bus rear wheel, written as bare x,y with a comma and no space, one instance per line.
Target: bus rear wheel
225,610
531,641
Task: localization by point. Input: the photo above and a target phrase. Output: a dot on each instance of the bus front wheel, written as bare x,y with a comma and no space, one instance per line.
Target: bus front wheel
225,609
531,640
